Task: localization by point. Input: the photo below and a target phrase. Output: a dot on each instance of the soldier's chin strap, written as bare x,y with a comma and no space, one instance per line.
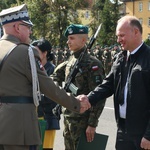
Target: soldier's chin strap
35,81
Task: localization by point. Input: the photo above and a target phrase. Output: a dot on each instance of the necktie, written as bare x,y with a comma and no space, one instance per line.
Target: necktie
125,74
126,70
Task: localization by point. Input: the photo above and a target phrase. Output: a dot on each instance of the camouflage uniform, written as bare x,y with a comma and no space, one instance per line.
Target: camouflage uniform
98,54
107,60
91,74
59,57
113,54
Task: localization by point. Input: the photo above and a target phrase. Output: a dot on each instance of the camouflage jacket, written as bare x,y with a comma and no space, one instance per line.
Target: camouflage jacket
90,75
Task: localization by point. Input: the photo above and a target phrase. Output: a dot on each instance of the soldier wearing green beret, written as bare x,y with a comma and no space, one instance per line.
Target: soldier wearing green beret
107,59
22,77
90,75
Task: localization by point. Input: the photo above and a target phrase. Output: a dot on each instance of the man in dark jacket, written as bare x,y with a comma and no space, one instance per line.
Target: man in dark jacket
131,91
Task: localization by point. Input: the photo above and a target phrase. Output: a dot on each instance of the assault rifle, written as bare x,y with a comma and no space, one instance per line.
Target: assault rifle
69,86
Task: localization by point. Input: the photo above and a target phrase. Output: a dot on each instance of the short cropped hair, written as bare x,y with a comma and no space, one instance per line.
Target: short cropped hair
133,21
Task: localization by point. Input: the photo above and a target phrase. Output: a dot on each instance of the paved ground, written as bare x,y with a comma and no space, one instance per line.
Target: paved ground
107,125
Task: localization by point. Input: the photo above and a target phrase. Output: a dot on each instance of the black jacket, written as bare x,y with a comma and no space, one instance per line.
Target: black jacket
46,105
138,100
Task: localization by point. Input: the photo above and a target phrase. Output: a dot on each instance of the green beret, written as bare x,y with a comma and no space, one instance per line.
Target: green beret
76,29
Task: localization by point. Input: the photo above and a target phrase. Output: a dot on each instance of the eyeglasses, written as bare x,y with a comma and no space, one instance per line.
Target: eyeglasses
28,26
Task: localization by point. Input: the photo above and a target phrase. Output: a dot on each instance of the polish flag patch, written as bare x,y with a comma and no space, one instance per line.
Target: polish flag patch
95,68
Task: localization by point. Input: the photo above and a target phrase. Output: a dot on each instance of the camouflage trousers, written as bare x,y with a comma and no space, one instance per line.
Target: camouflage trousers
73,128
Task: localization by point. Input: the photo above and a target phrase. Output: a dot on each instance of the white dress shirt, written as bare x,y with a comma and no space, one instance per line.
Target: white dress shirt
122,108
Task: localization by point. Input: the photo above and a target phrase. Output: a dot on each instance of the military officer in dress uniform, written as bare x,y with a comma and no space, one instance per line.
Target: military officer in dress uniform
90,75
22,77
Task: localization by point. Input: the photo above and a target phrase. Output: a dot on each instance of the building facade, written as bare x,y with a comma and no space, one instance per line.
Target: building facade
138,8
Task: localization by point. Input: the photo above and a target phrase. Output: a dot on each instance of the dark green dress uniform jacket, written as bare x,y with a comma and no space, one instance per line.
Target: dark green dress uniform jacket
18,122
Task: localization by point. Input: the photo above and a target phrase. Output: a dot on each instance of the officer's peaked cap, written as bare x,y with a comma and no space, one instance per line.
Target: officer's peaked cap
76,29
17,13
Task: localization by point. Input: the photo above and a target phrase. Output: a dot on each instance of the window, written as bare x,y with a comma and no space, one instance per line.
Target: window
141,21
149,5
140,6
148,36
149,22
1,31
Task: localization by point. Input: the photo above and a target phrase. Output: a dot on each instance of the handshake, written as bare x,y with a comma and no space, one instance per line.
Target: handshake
84,103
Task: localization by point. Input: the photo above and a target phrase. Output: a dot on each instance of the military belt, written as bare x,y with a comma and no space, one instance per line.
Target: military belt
16,99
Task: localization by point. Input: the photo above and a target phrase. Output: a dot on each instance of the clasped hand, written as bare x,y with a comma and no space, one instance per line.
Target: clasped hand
145,144
84,103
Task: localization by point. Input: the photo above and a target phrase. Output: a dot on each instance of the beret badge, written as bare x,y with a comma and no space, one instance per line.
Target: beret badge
70,30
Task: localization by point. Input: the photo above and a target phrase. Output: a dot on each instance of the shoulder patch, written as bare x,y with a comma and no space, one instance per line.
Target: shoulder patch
94,68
